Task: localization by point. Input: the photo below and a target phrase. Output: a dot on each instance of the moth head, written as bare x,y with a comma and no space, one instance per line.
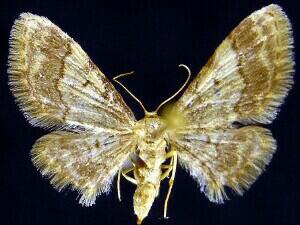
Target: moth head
150,128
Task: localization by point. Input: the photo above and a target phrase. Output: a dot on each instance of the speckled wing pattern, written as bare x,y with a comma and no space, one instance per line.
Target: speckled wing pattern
243,83
85,161
57,86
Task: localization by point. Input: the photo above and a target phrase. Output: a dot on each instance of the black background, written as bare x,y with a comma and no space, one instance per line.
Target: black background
151,39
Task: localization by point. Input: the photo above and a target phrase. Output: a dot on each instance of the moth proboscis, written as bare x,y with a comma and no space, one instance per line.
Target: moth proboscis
95,135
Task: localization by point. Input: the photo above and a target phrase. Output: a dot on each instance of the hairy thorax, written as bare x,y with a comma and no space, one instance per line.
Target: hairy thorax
151,151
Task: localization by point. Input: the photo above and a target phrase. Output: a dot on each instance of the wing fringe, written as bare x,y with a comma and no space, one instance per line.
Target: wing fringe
68,175
19,85
285,64
243,178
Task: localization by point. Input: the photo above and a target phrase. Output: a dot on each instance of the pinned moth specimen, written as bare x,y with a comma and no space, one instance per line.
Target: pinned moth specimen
212,130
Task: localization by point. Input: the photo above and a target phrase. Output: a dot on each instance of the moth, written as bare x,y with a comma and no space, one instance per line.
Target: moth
213,130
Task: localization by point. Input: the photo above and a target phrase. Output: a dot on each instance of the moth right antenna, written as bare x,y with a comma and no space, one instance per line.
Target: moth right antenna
180,89
129,92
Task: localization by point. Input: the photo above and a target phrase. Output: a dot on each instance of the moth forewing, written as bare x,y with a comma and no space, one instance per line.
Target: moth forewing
56,84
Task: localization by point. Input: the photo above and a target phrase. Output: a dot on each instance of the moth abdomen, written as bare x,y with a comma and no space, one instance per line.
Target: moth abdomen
143,199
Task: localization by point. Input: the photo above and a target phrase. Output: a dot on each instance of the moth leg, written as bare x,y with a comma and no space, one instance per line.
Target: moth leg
125,176
124,173
172,154
118,185
130,179
167,172
165,166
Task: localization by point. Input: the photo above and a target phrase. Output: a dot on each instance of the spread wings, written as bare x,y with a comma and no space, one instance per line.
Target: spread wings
56,85
245,81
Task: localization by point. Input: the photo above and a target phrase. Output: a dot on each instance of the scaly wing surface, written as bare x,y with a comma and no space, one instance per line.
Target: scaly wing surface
244,82
247,77
57,86
55,82
85,162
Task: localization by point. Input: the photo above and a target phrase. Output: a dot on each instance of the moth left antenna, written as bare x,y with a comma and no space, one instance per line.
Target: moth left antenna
180,89
126,89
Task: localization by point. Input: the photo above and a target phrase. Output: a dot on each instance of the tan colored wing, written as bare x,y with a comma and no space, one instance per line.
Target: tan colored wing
233,158
87,162
247,77
55,82
245,81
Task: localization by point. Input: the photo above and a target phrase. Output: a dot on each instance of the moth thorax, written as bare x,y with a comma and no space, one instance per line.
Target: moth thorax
153,154
143,199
